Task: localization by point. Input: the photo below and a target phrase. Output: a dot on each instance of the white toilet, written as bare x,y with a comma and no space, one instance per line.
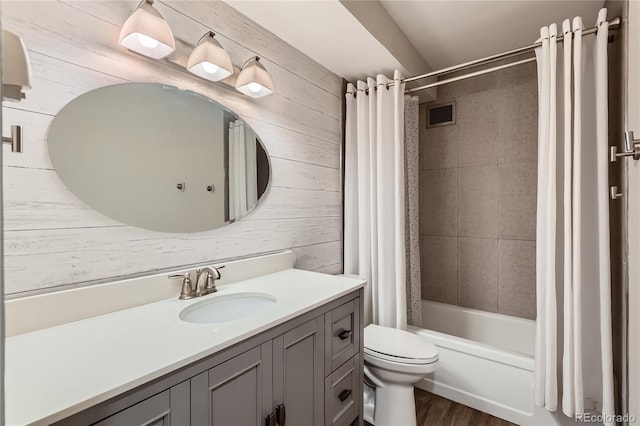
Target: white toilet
394,361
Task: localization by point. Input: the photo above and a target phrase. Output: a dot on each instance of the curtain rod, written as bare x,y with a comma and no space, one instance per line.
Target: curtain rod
469,75
613,24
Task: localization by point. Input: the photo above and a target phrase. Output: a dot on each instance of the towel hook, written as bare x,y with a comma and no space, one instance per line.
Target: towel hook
631,148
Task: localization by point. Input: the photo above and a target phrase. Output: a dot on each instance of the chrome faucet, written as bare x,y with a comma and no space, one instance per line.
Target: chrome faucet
212,274
188,292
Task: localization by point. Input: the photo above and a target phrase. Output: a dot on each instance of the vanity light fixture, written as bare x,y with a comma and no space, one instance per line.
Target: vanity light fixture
16,68
209,60
254,80
146,32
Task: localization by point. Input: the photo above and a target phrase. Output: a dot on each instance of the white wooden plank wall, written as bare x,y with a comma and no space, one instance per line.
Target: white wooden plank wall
53,240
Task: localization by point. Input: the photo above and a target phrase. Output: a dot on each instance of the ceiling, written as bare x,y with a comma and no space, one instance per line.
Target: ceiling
355,41
327,32
447,33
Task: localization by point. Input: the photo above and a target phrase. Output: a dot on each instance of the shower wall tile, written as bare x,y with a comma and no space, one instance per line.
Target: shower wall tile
440,148
478,236
517,201
478,273
439,266
447,92
477,122
518,124
481,83
478,202
439,202
523,75
517,278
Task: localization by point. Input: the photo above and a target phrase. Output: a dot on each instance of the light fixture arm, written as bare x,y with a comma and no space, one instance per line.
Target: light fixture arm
208,34
257,59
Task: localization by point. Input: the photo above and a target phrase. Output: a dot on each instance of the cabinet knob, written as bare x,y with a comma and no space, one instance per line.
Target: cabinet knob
281,414
344,334
342,396
270,420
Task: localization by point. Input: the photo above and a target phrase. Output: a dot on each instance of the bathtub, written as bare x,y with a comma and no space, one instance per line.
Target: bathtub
486,362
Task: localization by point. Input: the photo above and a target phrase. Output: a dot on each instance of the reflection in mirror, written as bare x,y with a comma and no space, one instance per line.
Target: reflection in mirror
156,157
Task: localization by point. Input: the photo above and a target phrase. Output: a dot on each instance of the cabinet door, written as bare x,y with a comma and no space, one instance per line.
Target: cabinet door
236,392
298,374
167,408
343,394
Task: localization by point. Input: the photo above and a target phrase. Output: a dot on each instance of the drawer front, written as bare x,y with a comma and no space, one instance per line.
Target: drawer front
342,335
343,394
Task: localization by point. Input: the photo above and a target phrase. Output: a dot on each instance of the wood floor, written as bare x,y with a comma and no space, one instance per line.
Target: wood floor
433,410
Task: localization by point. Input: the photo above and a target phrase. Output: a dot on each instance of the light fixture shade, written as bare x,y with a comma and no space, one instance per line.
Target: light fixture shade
146,32
209,60
16,68
254,80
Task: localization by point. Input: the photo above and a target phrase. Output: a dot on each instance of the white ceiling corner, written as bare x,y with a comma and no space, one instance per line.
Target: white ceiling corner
326,32
450,32
443,32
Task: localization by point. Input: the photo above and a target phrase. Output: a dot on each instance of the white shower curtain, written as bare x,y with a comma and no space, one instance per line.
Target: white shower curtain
573,278
375,197
243,173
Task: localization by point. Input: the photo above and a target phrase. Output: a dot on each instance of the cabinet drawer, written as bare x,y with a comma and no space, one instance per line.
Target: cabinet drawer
343,394
342,335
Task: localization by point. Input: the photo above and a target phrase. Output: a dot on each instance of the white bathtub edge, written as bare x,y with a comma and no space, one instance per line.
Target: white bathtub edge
515,359
492,380
496,330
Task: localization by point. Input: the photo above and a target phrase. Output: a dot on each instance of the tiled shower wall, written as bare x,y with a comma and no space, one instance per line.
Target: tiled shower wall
478,195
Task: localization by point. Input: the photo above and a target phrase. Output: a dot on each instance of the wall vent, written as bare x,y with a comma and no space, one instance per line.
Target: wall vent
441,115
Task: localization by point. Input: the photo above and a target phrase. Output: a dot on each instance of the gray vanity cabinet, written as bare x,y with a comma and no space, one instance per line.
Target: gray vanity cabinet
305,372
236,392
282,378
298,374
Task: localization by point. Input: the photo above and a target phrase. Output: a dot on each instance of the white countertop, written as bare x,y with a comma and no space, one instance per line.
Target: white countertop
55,372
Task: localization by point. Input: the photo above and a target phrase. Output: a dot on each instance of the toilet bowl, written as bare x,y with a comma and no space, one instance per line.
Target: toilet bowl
394,361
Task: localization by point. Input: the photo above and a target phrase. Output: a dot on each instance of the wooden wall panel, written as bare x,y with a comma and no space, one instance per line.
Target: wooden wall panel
53,240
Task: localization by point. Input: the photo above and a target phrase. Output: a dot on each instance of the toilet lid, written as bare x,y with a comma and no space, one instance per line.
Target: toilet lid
403,346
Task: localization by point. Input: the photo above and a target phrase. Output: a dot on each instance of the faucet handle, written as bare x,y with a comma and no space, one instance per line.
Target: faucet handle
210,286
217,269
213,274
182,275
187,291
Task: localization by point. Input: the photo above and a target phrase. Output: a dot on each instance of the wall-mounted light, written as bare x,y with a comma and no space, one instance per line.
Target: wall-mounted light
254,80
146,32
209,60
16,68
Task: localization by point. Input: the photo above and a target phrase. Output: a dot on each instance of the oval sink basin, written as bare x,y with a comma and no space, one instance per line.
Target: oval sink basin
228,308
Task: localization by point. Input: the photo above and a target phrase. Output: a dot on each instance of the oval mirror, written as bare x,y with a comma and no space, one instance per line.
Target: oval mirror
157,157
